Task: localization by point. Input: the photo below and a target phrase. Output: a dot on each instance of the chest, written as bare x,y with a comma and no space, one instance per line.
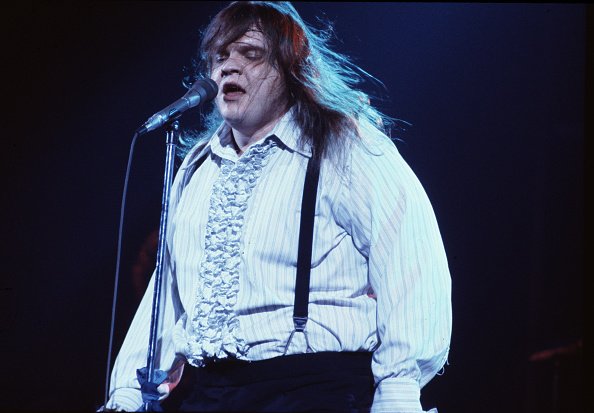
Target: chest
265,217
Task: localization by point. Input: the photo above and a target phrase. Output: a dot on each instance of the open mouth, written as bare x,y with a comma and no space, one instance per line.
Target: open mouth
232,89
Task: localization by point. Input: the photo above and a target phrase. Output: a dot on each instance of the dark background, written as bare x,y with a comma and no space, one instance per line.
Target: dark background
496,94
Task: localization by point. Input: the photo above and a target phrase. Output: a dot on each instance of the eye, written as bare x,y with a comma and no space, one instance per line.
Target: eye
253,54
220,57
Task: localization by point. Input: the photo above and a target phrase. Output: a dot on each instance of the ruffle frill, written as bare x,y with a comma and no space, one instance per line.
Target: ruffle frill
215,327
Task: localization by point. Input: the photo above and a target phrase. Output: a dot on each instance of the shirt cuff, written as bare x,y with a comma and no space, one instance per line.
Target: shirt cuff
397,395
125,400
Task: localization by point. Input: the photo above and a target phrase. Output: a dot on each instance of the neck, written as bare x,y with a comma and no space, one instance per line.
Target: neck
245,137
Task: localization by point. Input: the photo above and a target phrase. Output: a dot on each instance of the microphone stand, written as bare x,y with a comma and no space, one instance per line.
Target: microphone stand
172,138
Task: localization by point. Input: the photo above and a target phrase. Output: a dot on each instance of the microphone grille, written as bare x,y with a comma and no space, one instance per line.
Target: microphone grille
206,88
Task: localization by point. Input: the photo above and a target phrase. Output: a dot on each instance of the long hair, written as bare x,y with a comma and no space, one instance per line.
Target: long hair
322,84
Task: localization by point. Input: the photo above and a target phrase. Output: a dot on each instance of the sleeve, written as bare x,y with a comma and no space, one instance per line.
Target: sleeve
124,392
394,226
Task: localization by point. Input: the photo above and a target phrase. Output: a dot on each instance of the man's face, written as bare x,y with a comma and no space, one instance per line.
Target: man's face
252,93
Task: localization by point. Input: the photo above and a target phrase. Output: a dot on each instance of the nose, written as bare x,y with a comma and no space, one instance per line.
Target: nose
231,66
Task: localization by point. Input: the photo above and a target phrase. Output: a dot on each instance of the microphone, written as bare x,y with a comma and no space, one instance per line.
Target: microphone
202,91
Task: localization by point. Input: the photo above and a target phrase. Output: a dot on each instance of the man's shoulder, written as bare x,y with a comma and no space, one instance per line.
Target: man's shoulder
372,143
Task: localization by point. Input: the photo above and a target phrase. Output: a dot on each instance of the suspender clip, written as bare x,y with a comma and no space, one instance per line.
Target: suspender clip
299,323
299,328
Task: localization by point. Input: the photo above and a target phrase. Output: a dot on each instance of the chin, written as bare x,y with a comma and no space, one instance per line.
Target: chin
230,115
233,119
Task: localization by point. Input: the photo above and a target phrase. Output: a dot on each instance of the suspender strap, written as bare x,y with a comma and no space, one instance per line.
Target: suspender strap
306,227
308,209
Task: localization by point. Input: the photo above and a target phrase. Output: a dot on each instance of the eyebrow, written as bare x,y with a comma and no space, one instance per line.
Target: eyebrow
246,47
241,48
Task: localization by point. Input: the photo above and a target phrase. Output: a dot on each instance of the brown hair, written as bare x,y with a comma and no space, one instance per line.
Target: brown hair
319,81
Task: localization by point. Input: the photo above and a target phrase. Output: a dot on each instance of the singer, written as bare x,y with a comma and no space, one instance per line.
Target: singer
305,269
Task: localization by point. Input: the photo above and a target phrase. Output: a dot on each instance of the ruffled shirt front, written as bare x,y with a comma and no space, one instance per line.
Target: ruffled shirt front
213,330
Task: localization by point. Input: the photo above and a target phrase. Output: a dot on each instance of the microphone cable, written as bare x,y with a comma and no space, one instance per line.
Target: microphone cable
117,269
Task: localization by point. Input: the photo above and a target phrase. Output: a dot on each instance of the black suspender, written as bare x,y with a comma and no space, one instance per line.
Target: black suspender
308,210
306,227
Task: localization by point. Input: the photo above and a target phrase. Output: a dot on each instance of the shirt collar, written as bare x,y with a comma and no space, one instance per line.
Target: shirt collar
286,131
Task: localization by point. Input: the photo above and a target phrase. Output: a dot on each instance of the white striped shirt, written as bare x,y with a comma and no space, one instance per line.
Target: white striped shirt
375,231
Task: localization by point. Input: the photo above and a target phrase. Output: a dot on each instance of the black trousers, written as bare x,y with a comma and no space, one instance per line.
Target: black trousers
313,382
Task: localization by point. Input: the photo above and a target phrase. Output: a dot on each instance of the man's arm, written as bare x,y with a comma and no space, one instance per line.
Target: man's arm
395,226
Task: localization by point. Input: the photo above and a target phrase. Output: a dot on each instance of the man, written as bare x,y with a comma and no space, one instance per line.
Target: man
378,317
